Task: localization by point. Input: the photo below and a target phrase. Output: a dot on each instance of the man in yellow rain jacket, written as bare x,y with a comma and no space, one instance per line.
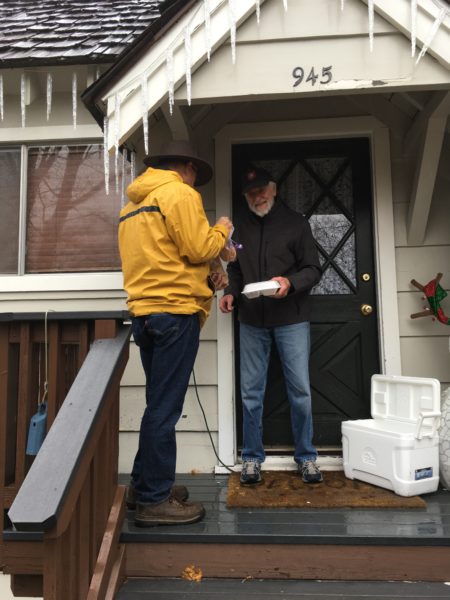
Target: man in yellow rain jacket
166,244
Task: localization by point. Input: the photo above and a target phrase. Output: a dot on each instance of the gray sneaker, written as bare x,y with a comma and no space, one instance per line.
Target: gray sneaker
169,512
310,471
251,472
179,491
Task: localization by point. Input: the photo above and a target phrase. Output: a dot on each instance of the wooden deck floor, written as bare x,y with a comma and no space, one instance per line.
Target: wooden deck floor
414,527
226,589
295,544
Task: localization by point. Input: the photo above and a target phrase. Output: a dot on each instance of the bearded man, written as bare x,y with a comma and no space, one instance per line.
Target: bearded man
277,244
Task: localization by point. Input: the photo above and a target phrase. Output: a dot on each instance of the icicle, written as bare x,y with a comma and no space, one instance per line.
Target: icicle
74,99
232,17
371,16
285,4
116,138
434,29
413,26
133,165
342,4
49,94
170,78
207,12
258,11
122,187
22,97
1,98
187,52
144,106
97,73
105,152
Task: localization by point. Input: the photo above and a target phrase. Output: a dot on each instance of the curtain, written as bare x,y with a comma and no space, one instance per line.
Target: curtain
71,222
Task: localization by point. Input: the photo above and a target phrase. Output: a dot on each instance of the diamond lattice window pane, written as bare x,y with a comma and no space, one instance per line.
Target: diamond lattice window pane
346,260
299,190
331,283
329,230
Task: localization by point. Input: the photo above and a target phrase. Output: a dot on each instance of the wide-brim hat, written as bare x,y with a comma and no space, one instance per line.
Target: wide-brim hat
182,150
254,177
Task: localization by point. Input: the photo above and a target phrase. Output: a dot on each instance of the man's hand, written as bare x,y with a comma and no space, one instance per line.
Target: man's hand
284,288
217,275
219,280
228,254
226,303
226,222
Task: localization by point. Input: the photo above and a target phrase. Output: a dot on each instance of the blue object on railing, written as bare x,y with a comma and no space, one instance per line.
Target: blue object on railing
37,430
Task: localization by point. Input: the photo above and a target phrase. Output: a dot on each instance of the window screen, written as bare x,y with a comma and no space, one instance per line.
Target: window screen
9,208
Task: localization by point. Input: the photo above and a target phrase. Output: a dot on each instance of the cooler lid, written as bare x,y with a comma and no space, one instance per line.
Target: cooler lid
401,398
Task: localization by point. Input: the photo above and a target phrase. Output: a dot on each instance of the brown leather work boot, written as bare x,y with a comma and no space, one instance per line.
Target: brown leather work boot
169,512
179,491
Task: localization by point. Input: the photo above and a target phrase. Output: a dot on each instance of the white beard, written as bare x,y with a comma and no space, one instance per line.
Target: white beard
264,211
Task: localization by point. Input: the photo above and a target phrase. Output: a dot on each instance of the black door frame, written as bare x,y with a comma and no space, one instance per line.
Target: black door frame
308,129
361,178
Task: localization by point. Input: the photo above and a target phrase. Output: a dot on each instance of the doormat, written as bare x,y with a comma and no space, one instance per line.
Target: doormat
285,489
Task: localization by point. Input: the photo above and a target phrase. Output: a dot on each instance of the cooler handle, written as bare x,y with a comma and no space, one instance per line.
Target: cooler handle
429,415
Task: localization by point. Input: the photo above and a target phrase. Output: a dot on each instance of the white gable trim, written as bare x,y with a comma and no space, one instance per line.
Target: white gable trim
389,334
153,64
398,13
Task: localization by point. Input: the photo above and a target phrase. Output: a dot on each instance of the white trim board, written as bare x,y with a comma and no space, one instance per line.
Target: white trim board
286,463
46,282
398,14
389,336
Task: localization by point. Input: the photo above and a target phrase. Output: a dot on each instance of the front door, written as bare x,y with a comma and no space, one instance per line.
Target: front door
329,181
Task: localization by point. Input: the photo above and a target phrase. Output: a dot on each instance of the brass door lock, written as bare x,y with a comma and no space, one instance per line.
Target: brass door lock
366,310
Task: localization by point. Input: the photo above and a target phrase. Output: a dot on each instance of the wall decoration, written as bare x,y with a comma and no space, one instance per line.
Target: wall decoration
434,293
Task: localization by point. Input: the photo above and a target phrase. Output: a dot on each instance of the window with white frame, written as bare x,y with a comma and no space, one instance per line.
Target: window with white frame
54,207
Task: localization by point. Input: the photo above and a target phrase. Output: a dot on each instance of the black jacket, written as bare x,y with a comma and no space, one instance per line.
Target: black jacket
278,244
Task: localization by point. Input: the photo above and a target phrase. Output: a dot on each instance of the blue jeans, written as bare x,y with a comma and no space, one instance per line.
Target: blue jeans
293,345
168,345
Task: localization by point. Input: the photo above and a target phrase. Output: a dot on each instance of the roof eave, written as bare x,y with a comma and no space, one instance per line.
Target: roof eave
24,63
141,44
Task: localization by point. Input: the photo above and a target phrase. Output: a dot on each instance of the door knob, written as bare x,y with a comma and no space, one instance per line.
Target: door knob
366,309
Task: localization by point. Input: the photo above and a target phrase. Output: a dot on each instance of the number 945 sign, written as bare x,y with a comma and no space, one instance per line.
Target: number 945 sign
324,77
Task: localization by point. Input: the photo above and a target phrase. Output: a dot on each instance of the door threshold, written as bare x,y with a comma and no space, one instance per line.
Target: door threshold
329,462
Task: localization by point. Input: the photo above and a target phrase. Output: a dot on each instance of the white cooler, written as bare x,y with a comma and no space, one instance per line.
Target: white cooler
398,448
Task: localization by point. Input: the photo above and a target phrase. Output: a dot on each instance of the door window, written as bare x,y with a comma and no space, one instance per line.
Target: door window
321,189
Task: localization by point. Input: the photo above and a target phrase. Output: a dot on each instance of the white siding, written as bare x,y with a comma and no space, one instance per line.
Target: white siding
424,342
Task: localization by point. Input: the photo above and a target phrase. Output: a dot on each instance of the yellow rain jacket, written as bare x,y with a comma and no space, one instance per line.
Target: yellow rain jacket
165,244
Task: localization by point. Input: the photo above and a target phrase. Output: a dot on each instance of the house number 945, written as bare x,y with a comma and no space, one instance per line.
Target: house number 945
299,75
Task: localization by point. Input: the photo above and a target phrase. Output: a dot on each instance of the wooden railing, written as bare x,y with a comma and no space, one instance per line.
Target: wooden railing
69,498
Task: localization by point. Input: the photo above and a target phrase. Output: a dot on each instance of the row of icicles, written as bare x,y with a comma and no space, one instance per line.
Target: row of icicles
49,90
444,11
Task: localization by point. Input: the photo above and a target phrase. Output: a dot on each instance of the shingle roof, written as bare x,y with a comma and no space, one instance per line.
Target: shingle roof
69,31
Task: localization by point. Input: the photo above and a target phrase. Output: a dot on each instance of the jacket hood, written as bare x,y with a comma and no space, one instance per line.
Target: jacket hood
146,183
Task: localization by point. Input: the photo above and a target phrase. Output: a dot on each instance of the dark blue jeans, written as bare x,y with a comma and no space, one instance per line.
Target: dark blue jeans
168,345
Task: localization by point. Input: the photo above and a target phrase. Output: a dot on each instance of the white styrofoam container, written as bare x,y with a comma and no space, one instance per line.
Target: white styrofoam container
398,448
261,288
